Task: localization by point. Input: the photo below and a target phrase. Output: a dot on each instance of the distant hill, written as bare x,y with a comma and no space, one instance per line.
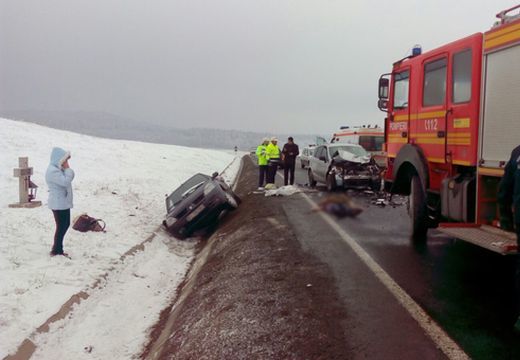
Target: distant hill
116,127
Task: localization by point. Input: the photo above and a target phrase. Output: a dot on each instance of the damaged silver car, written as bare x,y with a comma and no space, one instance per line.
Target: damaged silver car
346,166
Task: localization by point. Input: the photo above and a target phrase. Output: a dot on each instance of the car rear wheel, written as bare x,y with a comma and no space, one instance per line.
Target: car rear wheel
312,181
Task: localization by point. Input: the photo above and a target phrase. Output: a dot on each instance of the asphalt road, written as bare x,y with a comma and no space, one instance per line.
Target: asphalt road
462,287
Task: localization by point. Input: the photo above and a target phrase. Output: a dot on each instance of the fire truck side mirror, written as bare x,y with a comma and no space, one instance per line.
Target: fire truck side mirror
384,85
382,104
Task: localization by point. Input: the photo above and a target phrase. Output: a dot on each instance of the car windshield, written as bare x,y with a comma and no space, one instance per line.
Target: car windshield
356,150
191,190
186,189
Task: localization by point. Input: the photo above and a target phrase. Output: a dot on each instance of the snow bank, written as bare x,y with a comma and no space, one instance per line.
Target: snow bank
122,182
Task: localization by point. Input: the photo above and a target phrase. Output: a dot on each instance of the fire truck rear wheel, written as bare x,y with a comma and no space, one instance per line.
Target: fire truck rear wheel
509,312
418,210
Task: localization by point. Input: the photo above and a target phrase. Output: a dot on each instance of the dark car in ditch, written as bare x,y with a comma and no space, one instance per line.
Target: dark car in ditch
346,166
197,204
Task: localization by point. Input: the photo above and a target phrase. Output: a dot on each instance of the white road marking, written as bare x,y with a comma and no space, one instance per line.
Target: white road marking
432,329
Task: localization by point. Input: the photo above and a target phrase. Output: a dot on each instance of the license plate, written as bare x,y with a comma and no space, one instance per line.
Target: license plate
357,177
195,212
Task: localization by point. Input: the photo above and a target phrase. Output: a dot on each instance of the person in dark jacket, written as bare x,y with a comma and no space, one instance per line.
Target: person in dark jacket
59,178
289,153
509,201
509,194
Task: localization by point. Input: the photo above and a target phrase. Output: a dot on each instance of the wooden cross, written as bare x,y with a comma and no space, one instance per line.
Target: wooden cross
23,173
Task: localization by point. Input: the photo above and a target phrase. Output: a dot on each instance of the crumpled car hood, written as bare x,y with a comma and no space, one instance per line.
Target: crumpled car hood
348,156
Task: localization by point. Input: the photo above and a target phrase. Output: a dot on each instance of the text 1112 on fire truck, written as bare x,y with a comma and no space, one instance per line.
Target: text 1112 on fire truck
453,117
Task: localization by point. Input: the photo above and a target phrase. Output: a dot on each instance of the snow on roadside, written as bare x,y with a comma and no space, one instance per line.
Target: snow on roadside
122,182
113,322
231,172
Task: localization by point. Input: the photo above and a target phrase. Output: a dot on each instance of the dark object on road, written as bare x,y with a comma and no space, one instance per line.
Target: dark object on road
197,204
340,205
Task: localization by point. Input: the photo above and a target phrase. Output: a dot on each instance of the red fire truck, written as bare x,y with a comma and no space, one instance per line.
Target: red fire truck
453,117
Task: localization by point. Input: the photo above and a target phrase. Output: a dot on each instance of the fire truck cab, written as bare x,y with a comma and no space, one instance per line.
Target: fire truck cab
452,120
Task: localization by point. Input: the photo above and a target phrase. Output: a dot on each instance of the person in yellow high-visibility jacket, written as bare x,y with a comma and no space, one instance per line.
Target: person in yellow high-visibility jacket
261,154
273,159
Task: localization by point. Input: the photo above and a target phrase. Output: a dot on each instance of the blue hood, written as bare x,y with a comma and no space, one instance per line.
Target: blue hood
58,156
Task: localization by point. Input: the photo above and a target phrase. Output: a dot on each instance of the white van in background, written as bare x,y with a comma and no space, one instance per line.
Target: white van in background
305,155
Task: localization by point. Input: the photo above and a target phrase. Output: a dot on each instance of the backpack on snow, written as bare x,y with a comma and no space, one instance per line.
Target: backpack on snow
84,223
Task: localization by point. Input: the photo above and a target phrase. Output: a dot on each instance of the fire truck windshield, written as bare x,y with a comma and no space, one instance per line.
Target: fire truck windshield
401,81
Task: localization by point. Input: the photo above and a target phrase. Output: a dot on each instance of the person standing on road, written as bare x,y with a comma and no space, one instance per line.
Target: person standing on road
59,178
289,153
273,158
509,201
262,163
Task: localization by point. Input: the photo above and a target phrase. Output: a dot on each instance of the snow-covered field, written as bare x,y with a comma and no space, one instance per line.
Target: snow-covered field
122,182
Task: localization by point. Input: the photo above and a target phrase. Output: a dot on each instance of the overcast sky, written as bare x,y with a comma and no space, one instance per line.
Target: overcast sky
265,65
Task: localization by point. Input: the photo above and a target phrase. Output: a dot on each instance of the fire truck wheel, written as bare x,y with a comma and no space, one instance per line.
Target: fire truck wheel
331,183
507,314
312,182
417,210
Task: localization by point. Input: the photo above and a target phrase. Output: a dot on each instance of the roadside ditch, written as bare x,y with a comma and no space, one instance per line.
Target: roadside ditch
253,293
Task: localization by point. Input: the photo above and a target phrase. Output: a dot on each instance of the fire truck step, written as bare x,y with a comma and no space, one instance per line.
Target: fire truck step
488,237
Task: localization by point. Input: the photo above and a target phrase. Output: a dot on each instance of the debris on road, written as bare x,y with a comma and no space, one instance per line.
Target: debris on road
286,190
270,187
380,202
383,198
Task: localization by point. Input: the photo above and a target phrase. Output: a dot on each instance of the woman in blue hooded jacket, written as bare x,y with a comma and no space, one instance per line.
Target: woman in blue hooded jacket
59,178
